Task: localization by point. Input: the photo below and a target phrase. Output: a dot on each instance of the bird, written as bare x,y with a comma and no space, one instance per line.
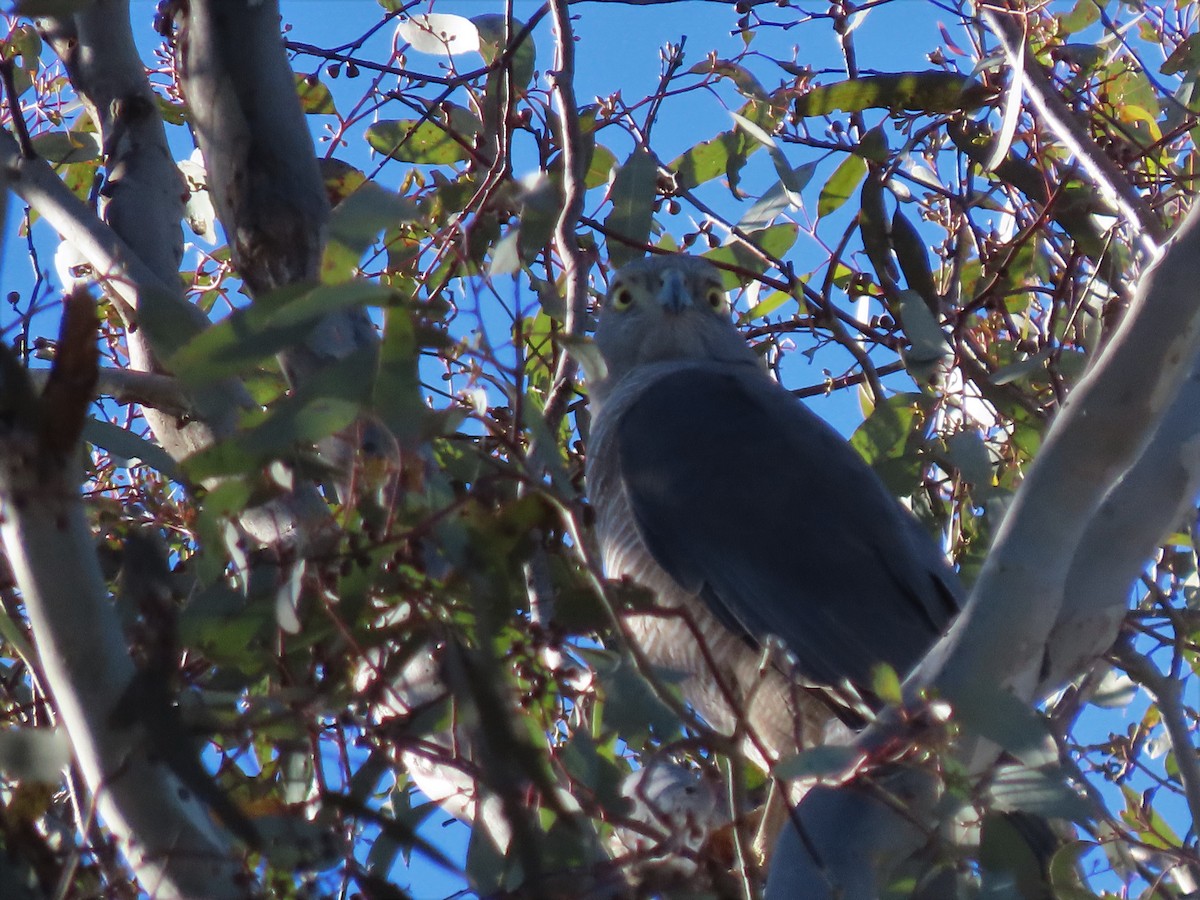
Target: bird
778,561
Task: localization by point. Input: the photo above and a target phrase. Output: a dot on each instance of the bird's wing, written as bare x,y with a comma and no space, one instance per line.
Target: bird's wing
753,503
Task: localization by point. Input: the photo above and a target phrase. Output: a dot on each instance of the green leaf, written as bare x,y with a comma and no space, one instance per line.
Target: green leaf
727,153
928,344
632,197
764,307
776,240
272,322
522,60
630,702
841,184
885,684
66,146
328,403
1009,868
970,456
787,176
822,761
355,224
600,167
416,141
776,199
934,92
1021,369
1064,872
127,446
913,256
996,714
1017,788
315,98
396,396
746,83
1083,14
884,434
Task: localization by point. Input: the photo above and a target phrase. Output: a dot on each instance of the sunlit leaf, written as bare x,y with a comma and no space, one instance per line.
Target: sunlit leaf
315,98
439,33
412,140
841,184
746,83
930,92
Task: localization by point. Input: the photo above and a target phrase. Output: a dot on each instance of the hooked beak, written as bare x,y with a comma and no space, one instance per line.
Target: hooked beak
672,295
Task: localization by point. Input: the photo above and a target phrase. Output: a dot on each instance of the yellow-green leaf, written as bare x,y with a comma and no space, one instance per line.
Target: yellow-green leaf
841,184
930,92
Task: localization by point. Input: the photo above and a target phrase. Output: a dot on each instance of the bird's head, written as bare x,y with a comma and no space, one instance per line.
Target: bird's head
666,309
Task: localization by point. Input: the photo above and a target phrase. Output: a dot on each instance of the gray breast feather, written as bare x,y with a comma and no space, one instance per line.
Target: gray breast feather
745,499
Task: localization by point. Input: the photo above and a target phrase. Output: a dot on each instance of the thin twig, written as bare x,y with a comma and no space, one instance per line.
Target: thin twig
14,109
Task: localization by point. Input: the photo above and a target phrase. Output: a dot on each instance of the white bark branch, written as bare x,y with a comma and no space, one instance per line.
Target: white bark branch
164,831
1111,428
262,169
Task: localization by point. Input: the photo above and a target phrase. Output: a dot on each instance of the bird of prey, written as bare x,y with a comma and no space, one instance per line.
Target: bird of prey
747,517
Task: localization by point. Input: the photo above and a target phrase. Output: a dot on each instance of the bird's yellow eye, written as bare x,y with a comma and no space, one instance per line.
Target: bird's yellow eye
622,298
716,299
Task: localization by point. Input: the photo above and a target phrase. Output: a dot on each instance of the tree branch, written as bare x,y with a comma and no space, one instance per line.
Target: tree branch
574,265
1001,638
1061,121
165,832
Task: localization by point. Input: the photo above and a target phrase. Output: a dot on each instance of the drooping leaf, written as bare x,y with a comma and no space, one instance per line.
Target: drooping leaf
928,344
777,199
522,60
841,184
913,257
885,432
632,197
327,403
1040,792
970,456
996,714
746,83
355,224
776,241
